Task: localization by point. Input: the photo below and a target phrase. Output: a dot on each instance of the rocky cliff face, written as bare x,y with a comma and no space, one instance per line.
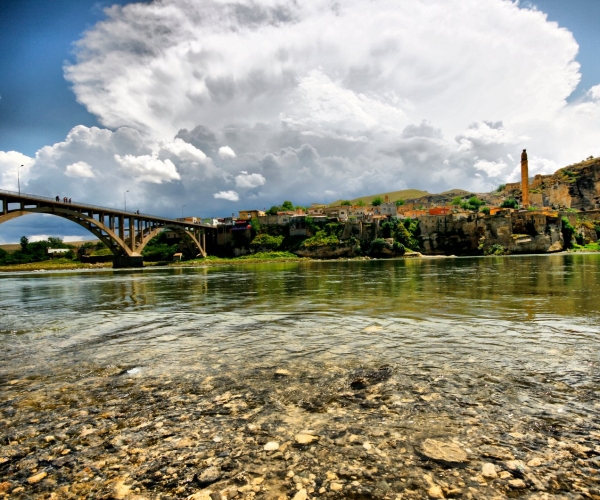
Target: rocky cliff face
521,232
576,186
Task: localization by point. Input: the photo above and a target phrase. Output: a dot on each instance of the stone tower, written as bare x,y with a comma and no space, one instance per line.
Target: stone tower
524,179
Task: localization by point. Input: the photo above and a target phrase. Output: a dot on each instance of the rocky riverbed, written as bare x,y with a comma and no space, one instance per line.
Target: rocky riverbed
298,432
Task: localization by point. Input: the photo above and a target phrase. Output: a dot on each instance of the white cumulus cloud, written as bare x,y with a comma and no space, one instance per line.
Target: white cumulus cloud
148,168
227,195
226,152
249,181
79,169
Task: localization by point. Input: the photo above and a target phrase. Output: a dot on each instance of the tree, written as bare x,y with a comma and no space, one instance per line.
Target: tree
377,201
360,203
399,203
457,200
486,210
273,210
287,205
509,203
24,243
475,202
346,203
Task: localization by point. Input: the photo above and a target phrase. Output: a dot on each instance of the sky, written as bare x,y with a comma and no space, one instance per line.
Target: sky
215,106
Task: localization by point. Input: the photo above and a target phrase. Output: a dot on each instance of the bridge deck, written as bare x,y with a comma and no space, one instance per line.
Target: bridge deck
14,197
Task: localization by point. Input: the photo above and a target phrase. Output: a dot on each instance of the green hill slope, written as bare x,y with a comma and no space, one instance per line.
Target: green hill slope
405,194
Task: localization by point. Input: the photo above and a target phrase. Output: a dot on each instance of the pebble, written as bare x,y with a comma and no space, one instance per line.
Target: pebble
301,495
488,470
209,475
336,486
517,484
305,438
435,491
271,446
37,477
535,462
440,451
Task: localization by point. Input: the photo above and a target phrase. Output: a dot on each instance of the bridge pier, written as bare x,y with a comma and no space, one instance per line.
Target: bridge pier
121,261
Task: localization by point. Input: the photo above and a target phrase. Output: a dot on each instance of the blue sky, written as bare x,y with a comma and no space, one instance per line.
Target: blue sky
246,126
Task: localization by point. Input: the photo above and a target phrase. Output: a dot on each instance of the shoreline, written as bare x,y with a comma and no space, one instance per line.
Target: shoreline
246,260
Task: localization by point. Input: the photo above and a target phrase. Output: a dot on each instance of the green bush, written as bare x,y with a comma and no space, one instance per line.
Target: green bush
399,203
486,210
509,203
377,246
159,252
267,241
377,201
501,187
320,239
567,231
495,249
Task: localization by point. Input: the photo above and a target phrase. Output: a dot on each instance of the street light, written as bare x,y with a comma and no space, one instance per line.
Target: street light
182,210
125,199
19,178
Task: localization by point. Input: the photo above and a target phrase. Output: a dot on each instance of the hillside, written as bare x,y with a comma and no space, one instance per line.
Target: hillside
575,186
404,194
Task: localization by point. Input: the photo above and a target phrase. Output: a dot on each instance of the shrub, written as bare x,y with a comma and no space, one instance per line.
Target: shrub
377,246
509,203
501,187
267,241
377,201
475,202
360,203
399,203
457,200
346,203
486,210
320,239
567,231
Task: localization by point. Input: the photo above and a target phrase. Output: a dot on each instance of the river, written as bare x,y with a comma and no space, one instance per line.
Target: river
467,349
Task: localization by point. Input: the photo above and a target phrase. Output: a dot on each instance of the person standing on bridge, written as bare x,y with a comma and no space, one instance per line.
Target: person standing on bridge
69,200
57,198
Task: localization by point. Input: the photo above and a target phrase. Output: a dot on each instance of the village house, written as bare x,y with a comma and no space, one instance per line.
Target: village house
250,214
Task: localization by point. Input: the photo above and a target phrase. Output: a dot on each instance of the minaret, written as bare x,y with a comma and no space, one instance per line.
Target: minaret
524,179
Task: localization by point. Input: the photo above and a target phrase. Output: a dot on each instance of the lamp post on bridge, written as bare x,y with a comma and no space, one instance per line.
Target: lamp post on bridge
125,199
19,178
182,211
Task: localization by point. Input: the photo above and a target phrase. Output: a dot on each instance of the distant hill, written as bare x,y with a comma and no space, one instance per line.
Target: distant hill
405,194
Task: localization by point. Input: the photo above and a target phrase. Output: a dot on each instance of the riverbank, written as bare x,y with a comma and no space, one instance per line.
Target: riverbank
329,431
257,258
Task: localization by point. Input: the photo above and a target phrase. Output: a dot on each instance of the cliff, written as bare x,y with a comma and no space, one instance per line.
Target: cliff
575,186
519,232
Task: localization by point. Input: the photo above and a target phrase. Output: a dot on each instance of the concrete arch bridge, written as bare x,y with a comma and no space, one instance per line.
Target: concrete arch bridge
126,234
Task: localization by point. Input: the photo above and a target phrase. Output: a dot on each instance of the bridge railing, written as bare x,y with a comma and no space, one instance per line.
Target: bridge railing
93,207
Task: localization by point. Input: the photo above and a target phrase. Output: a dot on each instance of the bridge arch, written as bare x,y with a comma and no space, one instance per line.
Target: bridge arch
126,234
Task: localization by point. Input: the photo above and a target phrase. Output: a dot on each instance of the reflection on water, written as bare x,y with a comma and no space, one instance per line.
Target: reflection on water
539,311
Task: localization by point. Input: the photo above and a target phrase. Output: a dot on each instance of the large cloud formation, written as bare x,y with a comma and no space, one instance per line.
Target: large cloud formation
228,103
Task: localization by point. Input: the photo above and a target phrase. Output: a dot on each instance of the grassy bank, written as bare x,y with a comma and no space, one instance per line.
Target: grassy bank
53,265
256,258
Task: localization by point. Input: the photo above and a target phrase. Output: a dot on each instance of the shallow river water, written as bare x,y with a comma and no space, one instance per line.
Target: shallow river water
170,383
